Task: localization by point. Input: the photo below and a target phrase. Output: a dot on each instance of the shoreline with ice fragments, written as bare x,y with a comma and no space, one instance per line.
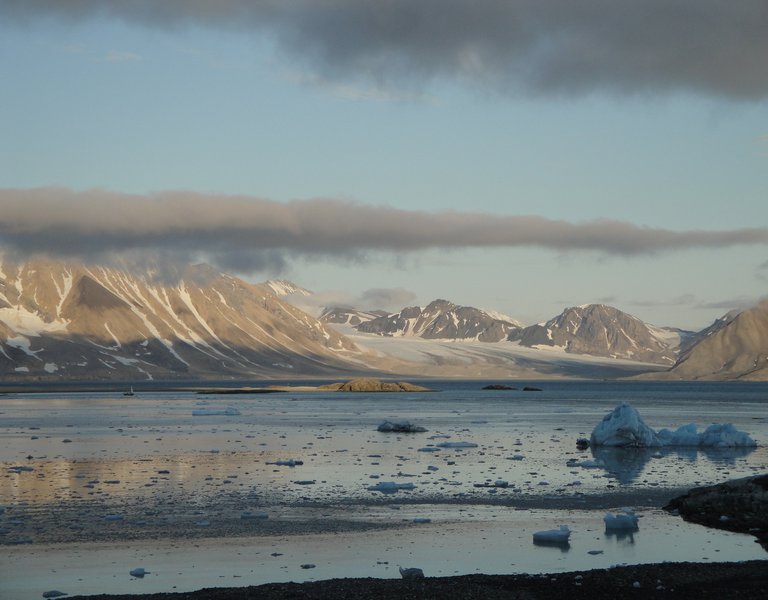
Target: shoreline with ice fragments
623,427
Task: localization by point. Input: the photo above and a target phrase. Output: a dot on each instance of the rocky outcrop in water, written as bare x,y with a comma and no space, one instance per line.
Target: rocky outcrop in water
740,505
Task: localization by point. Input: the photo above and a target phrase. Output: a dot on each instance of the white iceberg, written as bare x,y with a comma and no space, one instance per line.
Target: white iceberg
623,427
627,519
553,536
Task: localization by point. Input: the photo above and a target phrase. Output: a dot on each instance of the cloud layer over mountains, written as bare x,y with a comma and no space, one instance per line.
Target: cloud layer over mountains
250,233
554,47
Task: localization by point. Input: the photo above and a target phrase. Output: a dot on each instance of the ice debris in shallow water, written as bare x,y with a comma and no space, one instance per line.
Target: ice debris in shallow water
138,572
553,536
627,519
54,594
399,427
215,412
390,487
457,445
254,515
623,427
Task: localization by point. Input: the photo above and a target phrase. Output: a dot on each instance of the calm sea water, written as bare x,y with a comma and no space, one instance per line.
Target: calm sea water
86,455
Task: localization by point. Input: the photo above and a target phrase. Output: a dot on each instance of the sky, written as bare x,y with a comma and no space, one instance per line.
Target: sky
521,156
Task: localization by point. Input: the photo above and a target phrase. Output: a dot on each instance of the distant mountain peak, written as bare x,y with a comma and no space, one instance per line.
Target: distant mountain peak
441,319
600,330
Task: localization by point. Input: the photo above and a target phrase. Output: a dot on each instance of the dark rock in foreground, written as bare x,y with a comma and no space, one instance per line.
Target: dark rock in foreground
699,581
740,505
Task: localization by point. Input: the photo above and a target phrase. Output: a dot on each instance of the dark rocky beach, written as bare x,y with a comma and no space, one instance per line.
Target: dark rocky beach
744,581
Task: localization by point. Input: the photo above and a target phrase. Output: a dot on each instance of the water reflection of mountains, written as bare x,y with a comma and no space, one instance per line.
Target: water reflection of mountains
626,464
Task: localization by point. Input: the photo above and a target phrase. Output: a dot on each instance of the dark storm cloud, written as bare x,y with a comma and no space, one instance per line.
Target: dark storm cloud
553,46
249,233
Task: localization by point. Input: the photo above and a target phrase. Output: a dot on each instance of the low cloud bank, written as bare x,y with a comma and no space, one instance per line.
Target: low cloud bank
250,233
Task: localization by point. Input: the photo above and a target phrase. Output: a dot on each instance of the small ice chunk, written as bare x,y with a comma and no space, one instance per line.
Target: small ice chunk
254,515
553,536
21,469
422,520
138,572
399,427
308,566
411,573
623,520
390,487
457,445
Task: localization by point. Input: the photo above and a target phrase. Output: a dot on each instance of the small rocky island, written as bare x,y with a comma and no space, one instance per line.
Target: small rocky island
367,384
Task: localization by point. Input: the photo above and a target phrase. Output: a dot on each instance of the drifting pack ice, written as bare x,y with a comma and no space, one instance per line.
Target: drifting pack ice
623,427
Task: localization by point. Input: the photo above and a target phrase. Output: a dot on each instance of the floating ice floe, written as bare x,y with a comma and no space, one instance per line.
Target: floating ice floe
54,594
215,412
399,427
553,536
138,572
457,445
627,519
390,487
623,427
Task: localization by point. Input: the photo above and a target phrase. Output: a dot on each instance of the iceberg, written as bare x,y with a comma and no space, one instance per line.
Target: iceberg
553,536
627,519
623,427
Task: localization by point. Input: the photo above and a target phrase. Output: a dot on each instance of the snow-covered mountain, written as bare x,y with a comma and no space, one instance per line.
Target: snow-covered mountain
733,347
339,315
441,319
600,330
283,287
78,322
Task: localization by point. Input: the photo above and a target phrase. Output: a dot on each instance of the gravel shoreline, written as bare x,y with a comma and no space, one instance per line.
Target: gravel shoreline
744,581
